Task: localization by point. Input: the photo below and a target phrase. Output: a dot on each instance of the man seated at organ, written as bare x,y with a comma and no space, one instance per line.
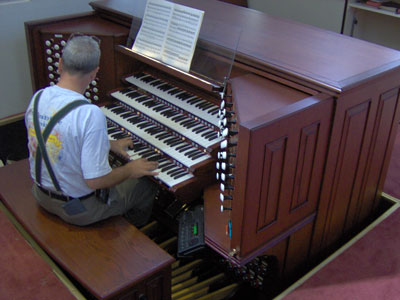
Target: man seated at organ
69,149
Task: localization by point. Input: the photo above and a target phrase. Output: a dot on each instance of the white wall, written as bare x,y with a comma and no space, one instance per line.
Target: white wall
328,14
15,81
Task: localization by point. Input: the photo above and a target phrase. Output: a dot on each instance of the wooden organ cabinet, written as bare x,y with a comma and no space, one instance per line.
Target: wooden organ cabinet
306,124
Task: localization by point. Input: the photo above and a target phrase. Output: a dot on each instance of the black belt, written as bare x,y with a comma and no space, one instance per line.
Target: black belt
62,197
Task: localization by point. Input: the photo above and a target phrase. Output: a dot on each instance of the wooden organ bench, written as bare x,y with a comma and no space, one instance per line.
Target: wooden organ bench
111,259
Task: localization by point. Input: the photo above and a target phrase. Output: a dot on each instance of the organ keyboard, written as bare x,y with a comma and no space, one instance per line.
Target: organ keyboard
156,137
169,174
194,105
171,125
188,126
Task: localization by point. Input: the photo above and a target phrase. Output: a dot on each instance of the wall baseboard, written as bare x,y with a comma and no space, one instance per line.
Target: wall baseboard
12,119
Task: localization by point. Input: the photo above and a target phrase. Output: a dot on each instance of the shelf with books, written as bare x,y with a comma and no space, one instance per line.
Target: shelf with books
377,10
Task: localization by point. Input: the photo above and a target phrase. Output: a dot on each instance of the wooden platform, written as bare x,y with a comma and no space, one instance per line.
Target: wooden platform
111,259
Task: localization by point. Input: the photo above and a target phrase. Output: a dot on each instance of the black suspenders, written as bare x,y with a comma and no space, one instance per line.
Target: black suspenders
42,137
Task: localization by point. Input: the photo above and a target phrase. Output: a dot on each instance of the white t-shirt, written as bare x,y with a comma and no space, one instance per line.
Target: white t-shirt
78,145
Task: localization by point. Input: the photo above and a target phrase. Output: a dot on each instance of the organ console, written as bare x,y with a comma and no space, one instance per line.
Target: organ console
284,131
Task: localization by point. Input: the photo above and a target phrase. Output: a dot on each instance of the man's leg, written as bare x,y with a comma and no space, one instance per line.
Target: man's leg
138,198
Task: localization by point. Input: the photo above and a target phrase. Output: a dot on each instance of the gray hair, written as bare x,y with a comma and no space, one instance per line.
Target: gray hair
81,55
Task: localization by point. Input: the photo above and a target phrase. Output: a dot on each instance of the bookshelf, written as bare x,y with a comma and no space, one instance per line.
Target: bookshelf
373,9
356,6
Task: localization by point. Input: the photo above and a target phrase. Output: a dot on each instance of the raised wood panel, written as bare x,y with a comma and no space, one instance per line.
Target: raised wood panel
385,125
284,175
159,287
363,132
298,250
274,157
305,165
347,167
279,251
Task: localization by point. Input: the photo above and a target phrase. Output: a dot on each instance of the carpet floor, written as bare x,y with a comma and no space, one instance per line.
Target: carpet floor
24,274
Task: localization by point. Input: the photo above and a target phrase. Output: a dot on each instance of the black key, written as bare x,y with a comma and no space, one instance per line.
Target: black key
155,157
184,96
157,82
121,135
185,148
190,153
210,134
118,110
147,79
180,147
179,175
133,94
174,91
142,98
214,110
125,90
178,118
191,124
165,87
112,130
138,147
167,112
135,120
173,173
168,167
143,151
202,105
160,166
194,157
213,136
171,140
194,101
183,123
177,143
207,133
144,125
201,129
148,154
126,115
205,107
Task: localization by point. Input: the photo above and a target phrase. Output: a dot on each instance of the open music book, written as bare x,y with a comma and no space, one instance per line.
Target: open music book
169,33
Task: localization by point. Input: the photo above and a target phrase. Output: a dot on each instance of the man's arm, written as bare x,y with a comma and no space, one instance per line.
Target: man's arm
133,169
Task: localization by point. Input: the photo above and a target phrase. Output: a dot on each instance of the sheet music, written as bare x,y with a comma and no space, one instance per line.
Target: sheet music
151,37
169,33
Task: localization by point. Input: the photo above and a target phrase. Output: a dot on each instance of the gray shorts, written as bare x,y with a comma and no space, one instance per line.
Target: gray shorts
133,197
